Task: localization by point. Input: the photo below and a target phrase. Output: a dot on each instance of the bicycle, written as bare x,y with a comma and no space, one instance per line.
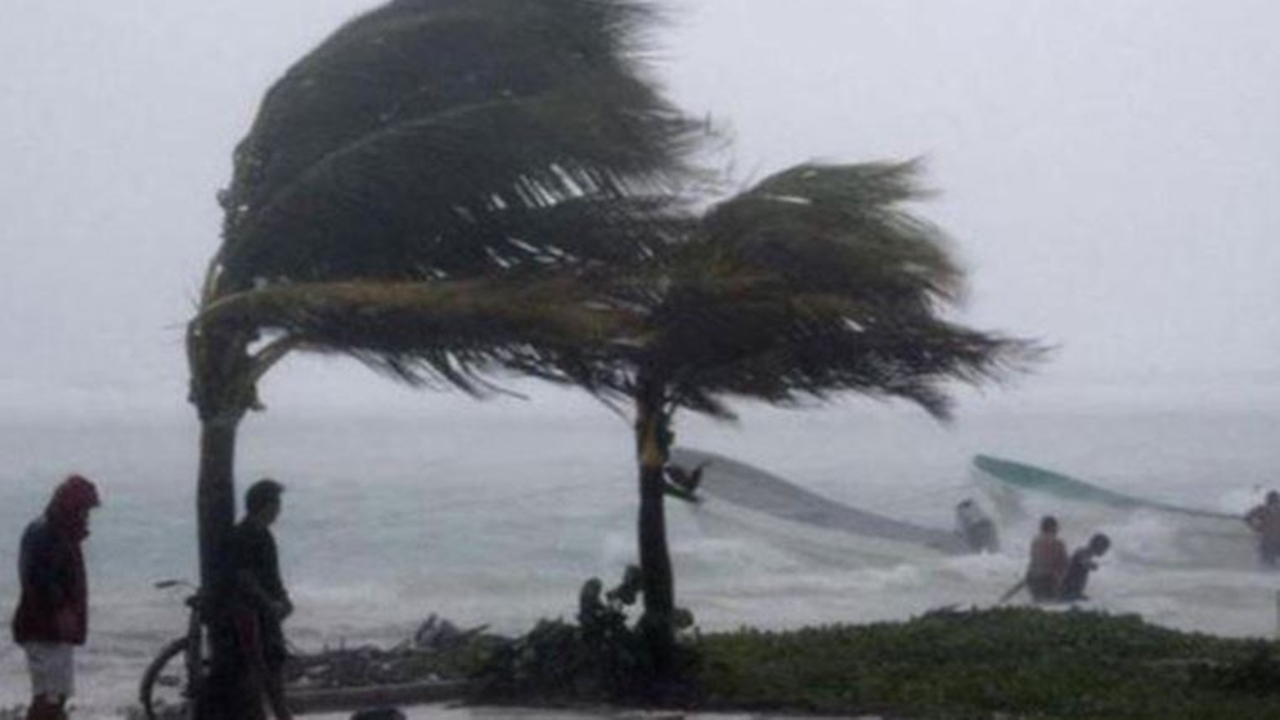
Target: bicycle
165,685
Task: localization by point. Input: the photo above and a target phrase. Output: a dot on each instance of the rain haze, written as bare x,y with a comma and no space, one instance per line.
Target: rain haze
1108,172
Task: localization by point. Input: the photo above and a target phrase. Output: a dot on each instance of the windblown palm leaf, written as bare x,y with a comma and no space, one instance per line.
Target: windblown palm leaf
424,331
814,282
450,138
840,229
430,141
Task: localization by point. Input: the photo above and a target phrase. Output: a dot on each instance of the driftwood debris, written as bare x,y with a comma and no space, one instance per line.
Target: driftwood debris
432,665
429,666
438,652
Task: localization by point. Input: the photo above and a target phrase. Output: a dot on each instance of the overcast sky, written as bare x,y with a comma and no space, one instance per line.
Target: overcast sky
1110,171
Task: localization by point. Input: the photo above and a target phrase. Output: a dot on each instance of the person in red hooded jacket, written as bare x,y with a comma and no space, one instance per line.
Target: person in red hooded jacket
53,611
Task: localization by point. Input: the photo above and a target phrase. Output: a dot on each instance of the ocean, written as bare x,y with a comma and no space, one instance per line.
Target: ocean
496,515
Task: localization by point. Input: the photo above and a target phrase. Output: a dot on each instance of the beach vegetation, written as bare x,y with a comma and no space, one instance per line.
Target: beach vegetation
604,657
950,664
995,663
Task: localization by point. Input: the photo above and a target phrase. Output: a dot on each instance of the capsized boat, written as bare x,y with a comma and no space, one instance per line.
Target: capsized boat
1035,479
746,495
1158,532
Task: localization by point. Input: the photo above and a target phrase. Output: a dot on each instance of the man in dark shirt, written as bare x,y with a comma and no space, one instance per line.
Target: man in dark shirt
261,602
1082,563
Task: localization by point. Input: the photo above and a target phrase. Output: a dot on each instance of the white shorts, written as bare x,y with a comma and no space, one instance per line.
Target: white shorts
51,668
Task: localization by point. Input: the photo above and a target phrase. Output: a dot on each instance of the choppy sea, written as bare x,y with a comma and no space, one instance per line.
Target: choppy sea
496,515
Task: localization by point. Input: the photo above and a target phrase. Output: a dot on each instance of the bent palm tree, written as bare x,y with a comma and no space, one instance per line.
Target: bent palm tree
419,192
813,283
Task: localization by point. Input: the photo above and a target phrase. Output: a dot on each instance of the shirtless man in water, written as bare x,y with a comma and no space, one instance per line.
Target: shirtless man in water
1048,562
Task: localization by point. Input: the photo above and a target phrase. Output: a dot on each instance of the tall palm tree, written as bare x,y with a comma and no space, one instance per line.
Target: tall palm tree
813,283
420,192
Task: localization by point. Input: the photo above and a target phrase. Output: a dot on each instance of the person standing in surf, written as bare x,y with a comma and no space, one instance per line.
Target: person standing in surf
53,609
1083,561
976,528
1264,520
1048,563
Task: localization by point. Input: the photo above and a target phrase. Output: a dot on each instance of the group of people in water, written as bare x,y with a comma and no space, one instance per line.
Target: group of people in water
1052,575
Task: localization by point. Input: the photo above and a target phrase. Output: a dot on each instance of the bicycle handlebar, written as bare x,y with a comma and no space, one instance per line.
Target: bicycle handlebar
166,584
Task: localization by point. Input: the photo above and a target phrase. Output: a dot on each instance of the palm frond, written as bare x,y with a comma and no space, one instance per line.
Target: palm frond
840,229
418,332
813,283
411,143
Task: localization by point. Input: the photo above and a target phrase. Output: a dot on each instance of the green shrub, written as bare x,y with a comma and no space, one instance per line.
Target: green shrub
601,658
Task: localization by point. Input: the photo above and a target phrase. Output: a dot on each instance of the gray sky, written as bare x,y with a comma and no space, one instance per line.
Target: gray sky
1109,170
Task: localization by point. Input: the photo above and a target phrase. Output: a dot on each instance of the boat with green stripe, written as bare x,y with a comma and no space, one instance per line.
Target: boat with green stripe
1036,479
1146,531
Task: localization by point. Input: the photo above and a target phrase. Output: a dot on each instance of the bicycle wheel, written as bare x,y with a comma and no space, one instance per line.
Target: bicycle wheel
165,683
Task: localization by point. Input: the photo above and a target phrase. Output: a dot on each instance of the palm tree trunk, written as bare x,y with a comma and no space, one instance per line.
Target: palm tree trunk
222,389
215,502
655,559
215,505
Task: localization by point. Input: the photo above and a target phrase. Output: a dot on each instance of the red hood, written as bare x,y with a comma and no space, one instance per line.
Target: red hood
69,508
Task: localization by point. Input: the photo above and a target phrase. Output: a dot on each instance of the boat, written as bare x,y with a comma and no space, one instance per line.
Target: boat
1158,532
734,492
1030,478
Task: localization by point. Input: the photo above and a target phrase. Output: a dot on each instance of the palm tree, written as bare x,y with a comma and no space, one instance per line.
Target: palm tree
421,192
814,282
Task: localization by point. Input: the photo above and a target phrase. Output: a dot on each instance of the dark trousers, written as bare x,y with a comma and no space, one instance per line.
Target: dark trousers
1043,588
